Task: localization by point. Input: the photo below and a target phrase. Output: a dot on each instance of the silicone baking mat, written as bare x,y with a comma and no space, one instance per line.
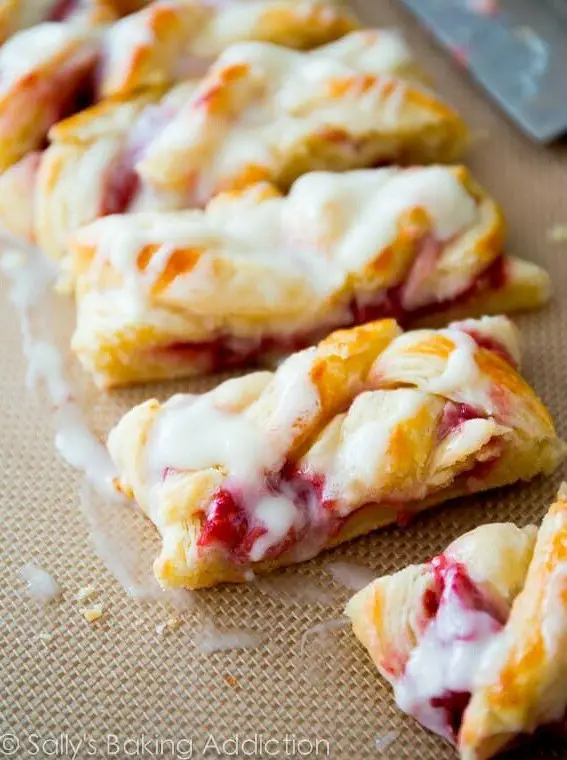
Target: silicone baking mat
116,688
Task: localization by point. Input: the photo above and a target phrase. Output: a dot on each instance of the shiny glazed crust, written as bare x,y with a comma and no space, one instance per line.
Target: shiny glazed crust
416,472
337,263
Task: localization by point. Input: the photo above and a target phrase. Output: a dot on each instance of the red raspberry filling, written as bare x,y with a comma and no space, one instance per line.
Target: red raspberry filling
229,521
227,352
454,415
453,580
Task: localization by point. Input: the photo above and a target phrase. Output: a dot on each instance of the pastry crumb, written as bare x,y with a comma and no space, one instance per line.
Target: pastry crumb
170,625
85,593
231,680
557,233
93,613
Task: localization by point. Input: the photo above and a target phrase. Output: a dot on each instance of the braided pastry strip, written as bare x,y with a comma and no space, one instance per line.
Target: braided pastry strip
109,142
168,41
255,274
275,113
475,641
49,70
369,427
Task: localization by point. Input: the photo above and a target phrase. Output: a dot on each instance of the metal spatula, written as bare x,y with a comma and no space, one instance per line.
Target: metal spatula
516,49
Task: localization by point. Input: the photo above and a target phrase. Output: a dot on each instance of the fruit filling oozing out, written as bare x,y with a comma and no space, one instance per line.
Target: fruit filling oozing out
229,352
461,622
291,509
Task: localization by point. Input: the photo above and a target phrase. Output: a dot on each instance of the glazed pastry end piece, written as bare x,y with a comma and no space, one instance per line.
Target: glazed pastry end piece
198,292
522,682
369,427
391,615
474,641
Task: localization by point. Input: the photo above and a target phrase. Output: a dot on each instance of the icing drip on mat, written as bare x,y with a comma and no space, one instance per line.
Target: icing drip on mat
40,584
31,278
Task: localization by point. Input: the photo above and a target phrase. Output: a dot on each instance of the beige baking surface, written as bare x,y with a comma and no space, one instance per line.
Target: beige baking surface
117,676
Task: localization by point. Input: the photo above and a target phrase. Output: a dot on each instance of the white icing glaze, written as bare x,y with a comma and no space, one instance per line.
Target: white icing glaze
385,741
40,584
351,575
435,189
461,369
499,328
200,435
361,463
211,639
31,277
277,515
456,377
446,659
194,433
321,629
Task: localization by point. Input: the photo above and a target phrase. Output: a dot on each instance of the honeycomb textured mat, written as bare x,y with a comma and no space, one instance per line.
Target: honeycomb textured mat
117,676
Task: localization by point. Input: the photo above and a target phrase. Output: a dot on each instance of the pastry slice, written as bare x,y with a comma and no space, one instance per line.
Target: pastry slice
474,642
168,41
267,112
44,72
371,426
109,141
257,274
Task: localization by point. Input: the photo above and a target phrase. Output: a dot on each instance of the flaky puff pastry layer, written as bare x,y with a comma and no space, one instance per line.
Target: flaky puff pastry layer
257,273
517,676
168,41
370,426
42,71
